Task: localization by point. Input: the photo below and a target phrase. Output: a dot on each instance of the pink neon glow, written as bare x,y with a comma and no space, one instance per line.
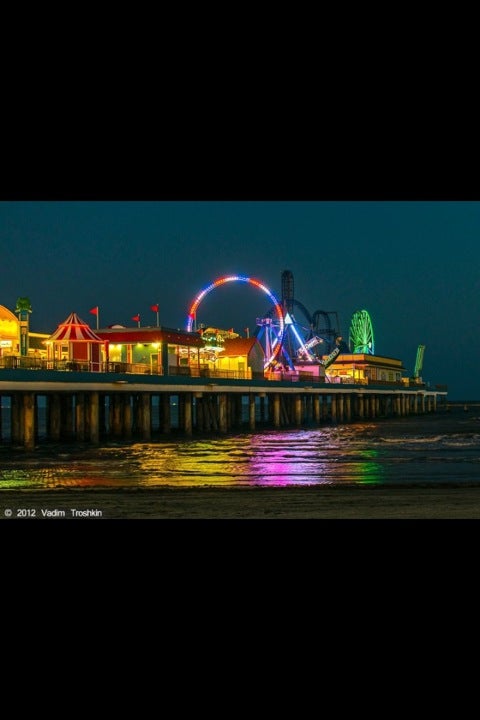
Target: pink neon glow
237,278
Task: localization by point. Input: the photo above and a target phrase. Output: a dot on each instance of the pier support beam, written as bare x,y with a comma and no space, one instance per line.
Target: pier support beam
251,411
276,410
126,416
324,405
165,405
199,421
146,417
93,418
361,407
80,416
308,403
372,406
340,404
29,420
298,410
86,415
187,419
263,413
116,415
398,405
222,413
348,407
334,408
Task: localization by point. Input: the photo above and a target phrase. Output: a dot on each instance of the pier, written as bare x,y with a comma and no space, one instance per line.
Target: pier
92,407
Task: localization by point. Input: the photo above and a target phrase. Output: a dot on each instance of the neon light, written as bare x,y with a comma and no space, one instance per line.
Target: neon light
300,341
192,313
330,358
313,341
361,333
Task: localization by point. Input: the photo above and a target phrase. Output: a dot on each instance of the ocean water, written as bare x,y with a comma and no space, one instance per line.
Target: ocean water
442,448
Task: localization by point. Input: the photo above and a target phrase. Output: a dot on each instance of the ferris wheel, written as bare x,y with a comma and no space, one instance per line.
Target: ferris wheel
271,338
361,333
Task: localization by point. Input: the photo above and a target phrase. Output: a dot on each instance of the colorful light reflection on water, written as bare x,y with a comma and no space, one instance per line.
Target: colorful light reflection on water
333,455
407,451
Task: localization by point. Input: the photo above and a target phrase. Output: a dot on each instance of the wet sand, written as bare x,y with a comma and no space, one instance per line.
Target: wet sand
352,502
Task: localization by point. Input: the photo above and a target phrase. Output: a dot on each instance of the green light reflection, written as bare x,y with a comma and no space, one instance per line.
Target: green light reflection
369,472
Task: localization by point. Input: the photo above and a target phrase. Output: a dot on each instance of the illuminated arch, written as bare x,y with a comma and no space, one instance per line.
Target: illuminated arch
276,346
9,330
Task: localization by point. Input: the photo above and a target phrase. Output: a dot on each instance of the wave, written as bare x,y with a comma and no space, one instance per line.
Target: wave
458,440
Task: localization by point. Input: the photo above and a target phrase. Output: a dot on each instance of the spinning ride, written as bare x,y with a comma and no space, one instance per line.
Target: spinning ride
306,337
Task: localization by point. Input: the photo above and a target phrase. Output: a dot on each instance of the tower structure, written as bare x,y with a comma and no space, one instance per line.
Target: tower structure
23,309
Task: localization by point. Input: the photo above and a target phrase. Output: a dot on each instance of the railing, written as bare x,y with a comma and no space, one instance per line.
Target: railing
345,379
208,372
31,363
34,363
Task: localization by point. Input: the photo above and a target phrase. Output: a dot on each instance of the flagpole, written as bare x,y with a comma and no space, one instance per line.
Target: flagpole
155,308
94,311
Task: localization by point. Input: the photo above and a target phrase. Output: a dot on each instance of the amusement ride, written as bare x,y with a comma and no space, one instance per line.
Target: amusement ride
361,333
289,334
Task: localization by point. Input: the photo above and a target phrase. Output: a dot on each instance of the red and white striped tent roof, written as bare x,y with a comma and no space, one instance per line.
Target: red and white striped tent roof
74,330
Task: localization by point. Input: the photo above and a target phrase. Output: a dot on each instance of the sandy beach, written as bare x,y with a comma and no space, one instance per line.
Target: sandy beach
352,502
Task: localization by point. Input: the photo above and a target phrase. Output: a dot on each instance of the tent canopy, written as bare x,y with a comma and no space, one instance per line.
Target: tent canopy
74,329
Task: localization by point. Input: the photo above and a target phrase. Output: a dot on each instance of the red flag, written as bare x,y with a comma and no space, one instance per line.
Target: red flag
136,318
154,308
94,310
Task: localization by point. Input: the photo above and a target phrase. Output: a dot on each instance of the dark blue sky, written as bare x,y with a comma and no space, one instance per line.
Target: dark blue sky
413,265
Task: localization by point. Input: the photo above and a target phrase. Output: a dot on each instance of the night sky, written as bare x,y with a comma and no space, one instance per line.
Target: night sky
414,266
